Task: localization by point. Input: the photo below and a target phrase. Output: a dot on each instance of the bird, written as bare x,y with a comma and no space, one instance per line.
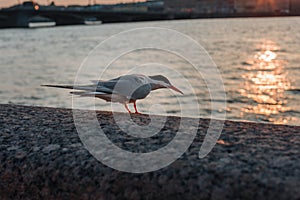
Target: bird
124,89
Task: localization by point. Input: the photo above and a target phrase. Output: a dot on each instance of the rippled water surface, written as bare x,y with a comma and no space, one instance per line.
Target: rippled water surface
259,60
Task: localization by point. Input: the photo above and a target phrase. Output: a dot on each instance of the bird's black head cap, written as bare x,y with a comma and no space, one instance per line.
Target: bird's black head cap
160,78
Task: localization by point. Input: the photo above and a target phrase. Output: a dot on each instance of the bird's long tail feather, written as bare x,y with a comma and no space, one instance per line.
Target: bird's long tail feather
75,87
88,88
60,86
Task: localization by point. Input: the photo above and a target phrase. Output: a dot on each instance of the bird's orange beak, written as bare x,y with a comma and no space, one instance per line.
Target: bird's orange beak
175,89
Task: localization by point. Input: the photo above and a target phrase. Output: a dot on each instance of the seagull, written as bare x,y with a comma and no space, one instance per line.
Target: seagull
124,89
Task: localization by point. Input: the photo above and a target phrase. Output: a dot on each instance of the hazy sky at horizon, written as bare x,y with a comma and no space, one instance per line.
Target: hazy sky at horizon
8,3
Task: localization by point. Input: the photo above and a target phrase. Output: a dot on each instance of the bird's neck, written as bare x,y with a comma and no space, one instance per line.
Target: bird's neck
156,86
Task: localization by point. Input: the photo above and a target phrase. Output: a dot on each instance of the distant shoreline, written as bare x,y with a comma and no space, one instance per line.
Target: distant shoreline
21,18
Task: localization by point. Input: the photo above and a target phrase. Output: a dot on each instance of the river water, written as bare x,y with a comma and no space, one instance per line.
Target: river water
258,58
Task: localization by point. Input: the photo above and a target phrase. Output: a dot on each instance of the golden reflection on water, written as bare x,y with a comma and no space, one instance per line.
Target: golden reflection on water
265,85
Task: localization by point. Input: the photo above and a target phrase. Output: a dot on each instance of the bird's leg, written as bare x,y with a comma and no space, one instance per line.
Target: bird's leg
127,108
136,111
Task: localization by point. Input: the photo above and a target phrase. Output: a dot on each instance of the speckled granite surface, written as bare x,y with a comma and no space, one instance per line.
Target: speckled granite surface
42,157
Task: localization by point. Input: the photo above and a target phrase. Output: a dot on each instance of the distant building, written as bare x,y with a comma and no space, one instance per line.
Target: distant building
200,6
154,6
294,6
222,6
230,6
179,5
258,6
275,6
127,7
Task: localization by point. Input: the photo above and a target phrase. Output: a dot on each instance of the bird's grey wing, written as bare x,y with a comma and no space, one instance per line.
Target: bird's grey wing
93,88
105,86
110,83
105,83
125,79
130,88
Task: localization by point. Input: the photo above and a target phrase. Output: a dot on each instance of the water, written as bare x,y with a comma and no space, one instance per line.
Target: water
257,57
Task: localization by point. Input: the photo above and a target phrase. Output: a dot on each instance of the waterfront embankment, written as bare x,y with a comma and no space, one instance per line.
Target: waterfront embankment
42,157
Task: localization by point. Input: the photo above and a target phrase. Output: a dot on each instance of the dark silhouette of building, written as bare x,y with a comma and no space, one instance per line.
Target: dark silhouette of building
295,6
233,6
200,6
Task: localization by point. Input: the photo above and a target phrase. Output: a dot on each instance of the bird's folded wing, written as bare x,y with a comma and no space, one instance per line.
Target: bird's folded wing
93,88
125,87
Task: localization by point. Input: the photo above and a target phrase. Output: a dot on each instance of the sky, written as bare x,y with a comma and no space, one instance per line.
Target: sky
8,3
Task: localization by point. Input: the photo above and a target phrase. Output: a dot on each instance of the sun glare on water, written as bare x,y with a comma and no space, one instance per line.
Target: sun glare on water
265,85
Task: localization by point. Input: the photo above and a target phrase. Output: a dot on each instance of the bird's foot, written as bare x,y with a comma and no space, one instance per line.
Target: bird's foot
127,109
135,108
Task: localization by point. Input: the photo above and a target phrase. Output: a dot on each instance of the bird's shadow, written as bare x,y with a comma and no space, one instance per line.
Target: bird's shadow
134,144
140,119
